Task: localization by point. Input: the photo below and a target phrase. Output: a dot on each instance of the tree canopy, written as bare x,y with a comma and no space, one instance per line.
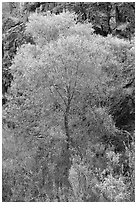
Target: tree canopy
63,135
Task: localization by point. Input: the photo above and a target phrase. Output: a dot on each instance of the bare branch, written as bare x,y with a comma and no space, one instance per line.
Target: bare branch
75,83
56,88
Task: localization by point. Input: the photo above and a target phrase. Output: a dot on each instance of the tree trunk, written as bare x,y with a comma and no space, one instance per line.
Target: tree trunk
66,119
117,15
67,129
109,18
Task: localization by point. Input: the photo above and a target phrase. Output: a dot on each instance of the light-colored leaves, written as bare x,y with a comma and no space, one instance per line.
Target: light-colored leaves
47,28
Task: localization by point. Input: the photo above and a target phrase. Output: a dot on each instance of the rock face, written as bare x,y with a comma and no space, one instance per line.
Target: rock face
13,37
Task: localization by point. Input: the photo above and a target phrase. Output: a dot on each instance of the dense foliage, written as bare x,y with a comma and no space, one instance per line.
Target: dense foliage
68,123
107,18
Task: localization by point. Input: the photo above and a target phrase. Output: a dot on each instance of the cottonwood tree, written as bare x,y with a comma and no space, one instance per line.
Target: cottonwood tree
50,79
